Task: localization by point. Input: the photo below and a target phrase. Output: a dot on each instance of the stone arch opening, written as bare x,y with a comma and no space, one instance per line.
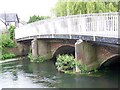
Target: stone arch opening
111,62
64,50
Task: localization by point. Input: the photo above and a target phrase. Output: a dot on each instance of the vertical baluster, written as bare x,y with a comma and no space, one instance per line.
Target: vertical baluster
118,24
86,23
115,22
87,18
91,23
86,26
105,22
94,23
82,24
89,29
95,20
69,27
109,22
101,21
79,27
98,25
113,16
112,23
107,16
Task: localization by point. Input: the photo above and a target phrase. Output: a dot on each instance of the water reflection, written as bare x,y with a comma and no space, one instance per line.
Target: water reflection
23,74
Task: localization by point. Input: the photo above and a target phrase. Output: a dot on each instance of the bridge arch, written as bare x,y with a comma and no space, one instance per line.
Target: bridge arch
114,59
64,49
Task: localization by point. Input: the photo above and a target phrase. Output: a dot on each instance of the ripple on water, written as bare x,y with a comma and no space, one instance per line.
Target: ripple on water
30,75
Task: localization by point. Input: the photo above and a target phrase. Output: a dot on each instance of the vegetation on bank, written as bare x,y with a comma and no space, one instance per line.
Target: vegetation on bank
37,59
7,42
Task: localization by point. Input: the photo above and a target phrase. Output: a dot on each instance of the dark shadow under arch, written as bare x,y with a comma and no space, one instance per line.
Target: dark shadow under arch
64,50
111,62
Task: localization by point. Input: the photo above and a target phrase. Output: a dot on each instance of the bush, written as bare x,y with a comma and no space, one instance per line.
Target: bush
36,59
65,62
11,31
6,41
7,56
83,68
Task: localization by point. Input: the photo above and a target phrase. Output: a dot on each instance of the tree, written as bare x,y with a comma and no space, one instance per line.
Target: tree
35,18
63,8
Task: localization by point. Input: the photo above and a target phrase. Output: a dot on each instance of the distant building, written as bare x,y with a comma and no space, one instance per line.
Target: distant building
7,19
10,18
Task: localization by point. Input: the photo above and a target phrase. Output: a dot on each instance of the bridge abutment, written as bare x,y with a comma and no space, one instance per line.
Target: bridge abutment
21,49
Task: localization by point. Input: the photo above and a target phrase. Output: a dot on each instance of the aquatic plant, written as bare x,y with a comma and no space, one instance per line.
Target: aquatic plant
67,63
37,59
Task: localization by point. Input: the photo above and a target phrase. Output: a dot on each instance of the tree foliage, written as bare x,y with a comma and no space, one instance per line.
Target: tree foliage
11,31
6,42
63,8
35,18
66,63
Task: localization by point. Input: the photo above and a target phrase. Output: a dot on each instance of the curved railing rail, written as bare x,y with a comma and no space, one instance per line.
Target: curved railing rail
98,24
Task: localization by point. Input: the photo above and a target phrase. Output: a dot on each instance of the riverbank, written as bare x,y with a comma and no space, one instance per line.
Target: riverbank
11,60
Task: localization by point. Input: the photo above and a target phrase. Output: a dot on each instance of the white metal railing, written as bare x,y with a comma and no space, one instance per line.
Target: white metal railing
98,24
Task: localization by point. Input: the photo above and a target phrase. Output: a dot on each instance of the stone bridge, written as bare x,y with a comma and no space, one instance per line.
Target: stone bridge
92,38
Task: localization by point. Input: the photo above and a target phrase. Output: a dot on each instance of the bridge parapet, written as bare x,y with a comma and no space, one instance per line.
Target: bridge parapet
73,27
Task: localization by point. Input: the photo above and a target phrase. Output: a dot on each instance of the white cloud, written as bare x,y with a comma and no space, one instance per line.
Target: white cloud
26,8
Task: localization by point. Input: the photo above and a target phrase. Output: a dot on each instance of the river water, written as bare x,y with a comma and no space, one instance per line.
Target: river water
23,74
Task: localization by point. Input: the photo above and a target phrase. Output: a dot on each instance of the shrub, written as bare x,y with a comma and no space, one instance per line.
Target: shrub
6,41
83,68
37,59
11,31
65,62
7,56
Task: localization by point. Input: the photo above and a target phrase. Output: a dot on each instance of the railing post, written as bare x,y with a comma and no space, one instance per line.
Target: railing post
69,27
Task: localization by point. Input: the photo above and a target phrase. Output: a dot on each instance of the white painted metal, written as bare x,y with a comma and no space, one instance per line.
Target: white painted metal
98,24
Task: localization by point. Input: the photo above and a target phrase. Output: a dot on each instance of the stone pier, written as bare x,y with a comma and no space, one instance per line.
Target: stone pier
41,48
93,55
86,54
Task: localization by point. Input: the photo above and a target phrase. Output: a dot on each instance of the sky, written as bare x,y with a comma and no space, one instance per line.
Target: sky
27,8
